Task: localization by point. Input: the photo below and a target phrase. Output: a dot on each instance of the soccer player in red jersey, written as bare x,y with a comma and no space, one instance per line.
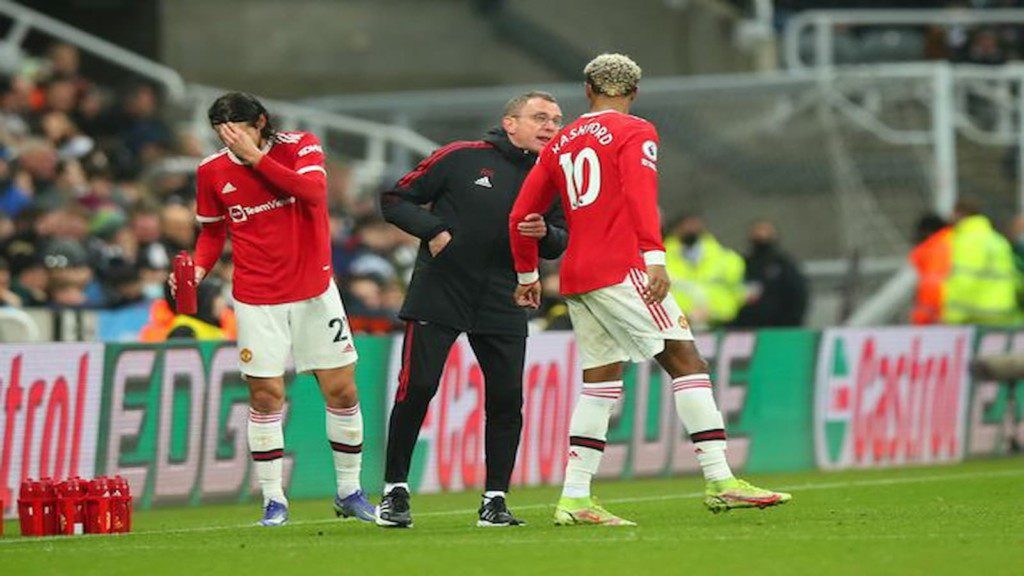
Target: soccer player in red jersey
604,167
268,190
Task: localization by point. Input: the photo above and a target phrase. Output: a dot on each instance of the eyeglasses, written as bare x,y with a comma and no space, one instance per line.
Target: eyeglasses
541,119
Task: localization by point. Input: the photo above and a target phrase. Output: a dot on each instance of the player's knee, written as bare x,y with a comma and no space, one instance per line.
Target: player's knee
265,397
338,387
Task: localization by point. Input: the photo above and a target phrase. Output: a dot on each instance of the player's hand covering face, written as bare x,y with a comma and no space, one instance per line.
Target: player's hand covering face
241,139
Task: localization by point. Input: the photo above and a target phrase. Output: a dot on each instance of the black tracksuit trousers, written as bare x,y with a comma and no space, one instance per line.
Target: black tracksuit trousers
424,353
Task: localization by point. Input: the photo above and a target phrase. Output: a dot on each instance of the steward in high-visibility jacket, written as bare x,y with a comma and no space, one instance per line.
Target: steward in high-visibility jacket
707,280
933,261
981,287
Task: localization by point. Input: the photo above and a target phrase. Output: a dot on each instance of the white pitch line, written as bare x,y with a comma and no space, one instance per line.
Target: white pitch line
631,500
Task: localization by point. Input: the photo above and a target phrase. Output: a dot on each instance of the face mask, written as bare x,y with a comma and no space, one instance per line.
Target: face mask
690,239
762,245
153,291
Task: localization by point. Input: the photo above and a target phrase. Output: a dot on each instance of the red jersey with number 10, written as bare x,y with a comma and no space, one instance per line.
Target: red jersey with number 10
276,215
604,167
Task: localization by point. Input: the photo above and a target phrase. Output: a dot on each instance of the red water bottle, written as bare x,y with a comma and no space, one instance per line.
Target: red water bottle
71,506
185,278
97,507
120,505
37,508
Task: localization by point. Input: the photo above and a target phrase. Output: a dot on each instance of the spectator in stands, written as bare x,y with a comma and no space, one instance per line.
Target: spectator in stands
39,160
367,250
122,285
707,278
30,276
365,305
71,280
144,133
65,137
15,108
7,296
15,187
776,289
932,259
982,284
179,229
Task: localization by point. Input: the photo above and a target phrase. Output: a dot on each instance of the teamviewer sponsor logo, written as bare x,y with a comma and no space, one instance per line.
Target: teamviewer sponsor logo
239,213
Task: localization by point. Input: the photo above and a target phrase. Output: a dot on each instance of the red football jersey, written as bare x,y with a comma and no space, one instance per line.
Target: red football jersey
604,167
276,214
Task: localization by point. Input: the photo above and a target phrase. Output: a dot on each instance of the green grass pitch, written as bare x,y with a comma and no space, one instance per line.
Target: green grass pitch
965,519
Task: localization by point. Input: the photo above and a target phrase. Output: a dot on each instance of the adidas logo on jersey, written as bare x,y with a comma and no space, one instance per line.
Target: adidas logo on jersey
228,188
484,181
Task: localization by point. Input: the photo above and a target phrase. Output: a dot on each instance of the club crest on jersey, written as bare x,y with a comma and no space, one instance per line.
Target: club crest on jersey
237,213
683,323
245,355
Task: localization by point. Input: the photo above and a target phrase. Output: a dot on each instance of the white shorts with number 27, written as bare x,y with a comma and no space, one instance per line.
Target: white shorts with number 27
315,331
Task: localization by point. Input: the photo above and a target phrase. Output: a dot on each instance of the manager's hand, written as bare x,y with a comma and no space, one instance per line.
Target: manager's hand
439,242
533,226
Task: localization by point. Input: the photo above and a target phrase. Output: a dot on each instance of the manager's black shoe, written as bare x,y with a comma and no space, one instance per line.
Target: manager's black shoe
393,511
494,512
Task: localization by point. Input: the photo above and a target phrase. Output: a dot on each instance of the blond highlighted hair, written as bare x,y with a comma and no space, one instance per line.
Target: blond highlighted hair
613,75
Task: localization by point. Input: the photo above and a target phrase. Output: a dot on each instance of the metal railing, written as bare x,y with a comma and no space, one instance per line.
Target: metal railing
25,20
821,24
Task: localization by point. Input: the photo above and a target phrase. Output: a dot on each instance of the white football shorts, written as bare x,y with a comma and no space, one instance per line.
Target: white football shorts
315,331
613,324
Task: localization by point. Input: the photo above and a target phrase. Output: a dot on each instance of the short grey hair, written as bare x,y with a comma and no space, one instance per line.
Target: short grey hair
613,75
516,104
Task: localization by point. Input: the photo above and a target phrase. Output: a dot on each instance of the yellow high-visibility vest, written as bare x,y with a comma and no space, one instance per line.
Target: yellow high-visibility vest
981,287
714,283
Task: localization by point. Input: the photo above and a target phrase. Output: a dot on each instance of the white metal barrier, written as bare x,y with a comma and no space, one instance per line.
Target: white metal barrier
822,24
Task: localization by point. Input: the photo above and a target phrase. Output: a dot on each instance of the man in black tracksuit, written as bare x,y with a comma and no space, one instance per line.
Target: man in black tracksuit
463,282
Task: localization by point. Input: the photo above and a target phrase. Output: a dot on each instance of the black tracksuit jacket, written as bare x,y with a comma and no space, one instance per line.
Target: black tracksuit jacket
471,187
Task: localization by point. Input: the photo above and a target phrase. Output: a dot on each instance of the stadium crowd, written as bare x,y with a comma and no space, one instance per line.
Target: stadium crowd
94,204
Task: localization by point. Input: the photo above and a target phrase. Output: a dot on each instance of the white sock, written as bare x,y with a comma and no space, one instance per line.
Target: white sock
695,404
492,494
389,486
345,433
266,445
588,429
